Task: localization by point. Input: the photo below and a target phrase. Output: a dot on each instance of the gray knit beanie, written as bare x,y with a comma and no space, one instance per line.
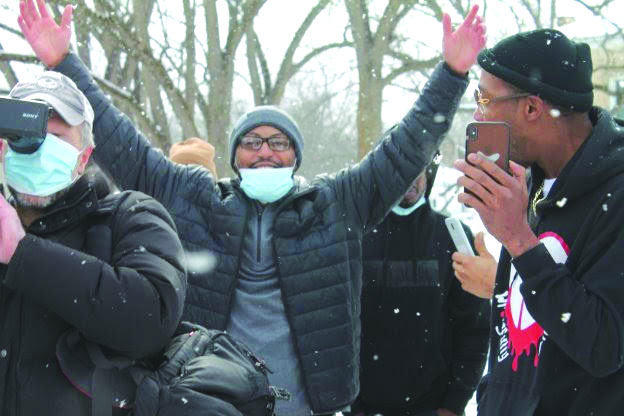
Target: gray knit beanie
266,115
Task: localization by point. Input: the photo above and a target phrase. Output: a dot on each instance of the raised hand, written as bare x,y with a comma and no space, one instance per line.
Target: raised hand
11,231
49,41
461,47
476,273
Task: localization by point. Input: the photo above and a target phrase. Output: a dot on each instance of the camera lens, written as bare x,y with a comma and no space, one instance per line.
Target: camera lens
472,132
26,145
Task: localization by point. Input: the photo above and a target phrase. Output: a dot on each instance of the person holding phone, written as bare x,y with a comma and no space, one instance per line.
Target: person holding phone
557,332
424,339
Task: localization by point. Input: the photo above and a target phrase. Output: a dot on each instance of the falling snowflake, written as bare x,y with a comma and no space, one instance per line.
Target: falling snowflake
555,113
439,118
561,203
565,317
184,400
396,310
605,207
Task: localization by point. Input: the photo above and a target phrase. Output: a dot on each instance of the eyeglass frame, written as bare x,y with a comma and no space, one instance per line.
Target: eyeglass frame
264,140
482,102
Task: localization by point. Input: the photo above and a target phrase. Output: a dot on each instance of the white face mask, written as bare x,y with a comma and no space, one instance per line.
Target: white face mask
44,172
267,184
403,212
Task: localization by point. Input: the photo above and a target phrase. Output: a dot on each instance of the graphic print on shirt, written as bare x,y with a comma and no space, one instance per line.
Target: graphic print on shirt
523,331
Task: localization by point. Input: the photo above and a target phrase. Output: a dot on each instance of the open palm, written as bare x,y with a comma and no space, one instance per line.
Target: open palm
49,41
461,47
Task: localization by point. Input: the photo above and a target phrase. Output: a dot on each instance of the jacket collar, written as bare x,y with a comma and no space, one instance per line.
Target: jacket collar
80,201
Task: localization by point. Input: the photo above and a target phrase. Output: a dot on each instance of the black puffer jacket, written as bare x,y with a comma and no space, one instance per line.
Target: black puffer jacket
62,276
317,230
424,339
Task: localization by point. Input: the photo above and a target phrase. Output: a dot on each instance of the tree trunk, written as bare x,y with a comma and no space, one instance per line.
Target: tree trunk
369,124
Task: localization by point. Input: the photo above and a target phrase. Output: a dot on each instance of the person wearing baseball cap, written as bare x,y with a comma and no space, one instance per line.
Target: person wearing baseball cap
39,170
287,274
556,337
108,268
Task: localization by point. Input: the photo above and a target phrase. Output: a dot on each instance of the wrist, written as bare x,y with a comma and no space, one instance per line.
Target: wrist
520,244
455,71
53,63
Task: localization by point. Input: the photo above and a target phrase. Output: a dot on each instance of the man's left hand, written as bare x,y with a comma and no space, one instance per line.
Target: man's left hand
461,47
11,231
501,201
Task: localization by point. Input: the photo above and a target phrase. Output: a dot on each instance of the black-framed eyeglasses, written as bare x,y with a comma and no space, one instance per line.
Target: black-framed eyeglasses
276,143
483,102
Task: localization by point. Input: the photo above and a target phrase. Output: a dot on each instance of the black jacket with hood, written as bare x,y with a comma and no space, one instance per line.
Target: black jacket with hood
424,339
317,230
570,360
112,268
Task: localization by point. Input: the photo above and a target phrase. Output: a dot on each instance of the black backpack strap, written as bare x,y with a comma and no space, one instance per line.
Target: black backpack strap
104,380
102,401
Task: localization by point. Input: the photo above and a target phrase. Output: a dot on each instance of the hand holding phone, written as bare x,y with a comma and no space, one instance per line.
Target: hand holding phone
459,236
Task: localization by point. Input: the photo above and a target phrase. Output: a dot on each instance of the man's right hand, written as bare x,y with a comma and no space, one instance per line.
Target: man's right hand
476,273
49,41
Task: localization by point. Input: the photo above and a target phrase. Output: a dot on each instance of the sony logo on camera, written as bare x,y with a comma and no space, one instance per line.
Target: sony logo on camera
23,118
30,115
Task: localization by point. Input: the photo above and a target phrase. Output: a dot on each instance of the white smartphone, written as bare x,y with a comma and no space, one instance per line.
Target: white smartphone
459,236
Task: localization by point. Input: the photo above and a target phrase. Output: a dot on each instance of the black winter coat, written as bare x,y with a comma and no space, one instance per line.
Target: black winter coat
112,268
317,230
424,339
557,338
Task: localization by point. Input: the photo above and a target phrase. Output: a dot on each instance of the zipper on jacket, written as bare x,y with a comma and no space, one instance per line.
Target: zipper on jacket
260,209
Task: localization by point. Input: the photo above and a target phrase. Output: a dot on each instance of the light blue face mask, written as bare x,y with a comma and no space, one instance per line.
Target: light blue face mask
266,184
403,212
44,172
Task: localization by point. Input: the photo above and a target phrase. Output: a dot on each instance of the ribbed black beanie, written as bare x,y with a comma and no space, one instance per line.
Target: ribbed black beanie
546,63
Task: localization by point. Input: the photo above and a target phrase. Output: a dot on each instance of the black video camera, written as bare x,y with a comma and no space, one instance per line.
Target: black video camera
23,118
23,121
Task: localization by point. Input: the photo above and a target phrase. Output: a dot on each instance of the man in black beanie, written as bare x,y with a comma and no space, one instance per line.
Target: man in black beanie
557,333
287,272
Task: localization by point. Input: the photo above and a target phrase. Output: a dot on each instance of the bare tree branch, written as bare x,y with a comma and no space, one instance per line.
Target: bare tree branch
411,65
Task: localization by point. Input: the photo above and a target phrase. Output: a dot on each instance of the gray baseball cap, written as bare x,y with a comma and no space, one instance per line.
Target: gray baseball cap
61,93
